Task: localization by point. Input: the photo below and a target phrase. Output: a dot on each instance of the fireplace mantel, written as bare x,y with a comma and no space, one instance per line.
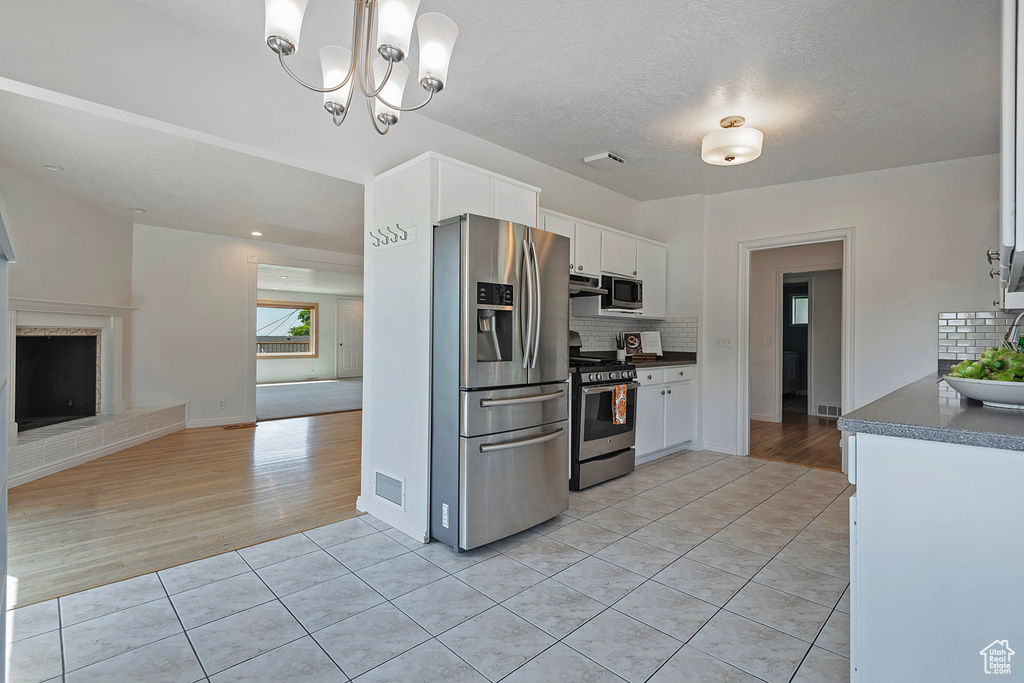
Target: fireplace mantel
44,313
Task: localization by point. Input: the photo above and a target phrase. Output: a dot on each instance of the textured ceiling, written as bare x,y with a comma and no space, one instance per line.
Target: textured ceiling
180,183
837,87
288,279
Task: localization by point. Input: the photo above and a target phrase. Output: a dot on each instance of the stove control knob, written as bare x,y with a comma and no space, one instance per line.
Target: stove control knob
600,377
631,374
613,375
591,377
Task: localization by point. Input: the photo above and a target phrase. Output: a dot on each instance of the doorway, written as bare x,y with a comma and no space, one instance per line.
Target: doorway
309,339
795,354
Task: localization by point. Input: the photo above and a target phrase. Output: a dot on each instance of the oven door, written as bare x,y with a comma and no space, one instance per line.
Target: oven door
599,434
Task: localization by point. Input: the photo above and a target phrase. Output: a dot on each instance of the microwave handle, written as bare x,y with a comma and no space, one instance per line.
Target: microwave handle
536,271
488,447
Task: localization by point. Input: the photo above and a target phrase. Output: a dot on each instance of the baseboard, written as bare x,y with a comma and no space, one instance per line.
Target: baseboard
717,448
41,472
763,418
216,422
382,513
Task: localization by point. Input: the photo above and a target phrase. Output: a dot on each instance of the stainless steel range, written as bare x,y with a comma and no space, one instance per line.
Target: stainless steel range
600,448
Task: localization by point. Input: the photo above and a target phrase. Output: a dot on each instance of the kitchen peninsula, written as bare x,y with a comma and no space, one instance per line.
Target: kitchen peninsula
935,533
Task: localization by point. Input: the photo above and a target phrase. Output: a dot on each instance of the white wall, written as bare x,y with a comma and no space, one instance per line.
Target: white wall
679,223
920,236
766,268
825,382
297,369
190,331
68,250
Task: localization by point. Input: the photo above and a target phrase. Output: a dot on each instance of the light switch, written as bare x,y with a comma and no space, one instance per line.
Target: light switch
723,342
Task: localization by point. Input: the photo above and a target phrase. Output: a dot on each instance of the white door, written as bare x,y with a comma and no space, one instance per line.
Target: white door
588,249
565,228
680,413
650,419
350,338
618,254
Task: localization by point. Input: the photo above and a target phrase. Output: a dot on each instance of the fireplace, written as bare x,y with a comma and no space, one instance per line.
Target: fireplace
56,375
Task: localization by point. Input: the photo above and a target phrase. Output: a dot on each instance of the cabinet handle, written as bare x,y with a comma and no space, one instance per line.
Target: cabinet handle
682,372
670,391
639,312
634,272
570,266
650,376
579,268
662,392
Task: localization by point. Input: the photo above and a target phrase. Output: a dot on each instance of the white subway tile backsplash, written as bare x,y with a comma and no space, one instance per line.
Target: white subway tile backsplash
598,334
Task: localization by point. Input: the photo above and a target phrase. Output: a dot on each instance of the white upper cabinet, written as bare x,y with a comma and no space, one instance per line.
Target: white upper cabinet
618,254
462,190
651,263
565,228
514,203
588,249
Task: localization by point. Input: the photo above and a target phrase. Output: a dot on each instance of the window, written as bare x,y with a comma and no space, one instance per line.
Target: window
286,329
798,313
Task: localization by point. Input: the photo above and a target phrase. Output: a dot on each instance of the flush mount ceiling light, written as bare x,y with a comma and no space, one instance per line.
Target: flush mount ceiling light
256,233
382,80
53,167
135,209
732,145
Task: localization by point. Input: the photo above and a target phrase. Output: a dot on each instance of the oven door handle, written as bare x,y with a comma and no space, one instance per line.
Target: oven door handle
488,447
491,402
608,387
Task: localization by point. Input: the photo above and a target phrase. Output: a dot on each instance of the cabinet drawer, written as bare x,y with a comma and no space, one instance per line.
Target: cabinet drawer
650,376
680,373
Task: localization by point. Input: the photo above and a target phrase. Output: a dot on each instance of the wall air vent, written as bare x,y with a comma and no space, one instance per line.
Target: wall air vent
604,160
389,488
828,411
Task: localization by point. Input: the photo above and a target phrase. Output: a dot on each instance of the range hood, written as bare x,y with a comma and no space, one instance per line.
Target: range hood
584,285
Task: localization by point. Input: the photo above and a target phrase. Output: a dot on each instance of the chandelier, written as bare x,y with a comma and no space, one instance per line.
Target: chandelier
381,80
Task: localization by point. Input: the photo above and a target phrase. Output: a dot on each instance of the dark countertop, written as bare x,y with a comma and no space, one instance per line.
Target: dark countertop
931,411
667,359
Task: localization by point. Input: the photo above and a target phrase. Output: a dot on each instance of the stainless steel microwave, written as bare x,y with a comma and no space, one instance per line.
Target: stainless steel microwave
622,292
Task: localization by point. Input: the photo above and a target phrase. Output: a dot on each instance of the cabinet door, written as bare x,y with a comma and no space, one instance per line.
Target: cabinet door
650,267
514,203
680,412
618,254
588,249
565,228
462,190
650,419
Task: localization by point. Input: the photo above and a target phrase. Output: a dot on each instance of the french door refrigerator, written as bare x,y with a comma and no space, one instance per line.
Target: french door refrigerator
499,414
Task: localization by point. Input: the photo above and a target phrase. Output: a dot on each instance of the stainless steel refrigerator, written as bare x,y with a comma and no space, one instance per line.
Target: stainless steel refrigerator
499,459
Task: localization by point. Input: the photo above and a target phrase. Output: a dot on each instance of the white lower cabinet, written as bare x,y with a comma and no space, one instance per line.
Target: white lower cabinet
666,409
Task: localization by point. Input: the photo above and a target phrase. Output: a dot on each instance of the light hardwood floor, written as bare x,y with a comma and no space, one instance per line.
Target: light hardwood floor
800,439
179,498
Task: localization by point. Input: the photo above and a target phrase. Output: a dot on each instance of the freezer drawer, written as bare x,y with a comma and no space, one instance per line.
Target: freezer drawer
489,411
511,482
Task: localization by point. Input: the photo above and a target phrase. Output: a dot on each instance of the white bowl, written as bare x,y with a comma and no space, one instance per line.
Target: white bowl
990,392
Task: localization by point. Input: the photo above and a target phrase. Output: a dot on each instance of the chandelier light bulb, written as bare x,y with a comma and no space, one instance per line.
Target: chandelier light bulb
732,145
335,61
394,27
284,21
392,91
437,34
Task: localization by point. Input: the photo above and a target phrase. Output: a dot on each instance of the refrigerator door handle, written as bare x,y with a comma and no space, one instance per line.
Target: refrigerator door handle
536,272
493,402
488,447
527,346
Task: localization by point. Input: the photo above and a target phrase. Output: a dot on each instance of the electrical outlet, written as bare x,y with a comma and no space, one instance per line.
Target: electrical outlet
221,404
723,342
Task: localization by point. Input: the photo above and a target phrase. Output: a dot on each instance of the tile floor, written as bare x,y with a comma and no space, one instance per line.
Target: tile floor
699,567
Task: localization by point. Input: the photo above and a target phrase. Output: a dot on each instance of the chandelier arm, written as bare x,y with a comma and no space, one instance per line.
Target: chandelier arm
373,119
422,104
301,82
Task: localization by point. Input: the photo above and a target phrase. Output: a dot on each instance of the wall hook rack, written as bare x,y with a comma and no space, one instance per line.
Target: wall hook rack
386,238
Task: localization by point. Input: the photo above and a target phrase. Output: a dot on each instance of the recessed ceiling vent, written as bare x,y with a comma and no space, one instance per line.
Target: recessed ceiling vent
605,160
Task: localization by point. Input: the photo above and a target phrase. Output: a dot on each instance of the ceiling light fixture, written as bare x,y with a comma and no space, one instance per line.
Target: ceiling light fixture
284,277
256,233
135,209
53,167
382,80
732,145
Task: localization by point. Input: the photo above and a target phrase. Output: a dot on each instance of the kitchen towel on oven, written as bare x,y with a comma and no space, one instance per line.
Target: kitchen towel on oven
619,404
